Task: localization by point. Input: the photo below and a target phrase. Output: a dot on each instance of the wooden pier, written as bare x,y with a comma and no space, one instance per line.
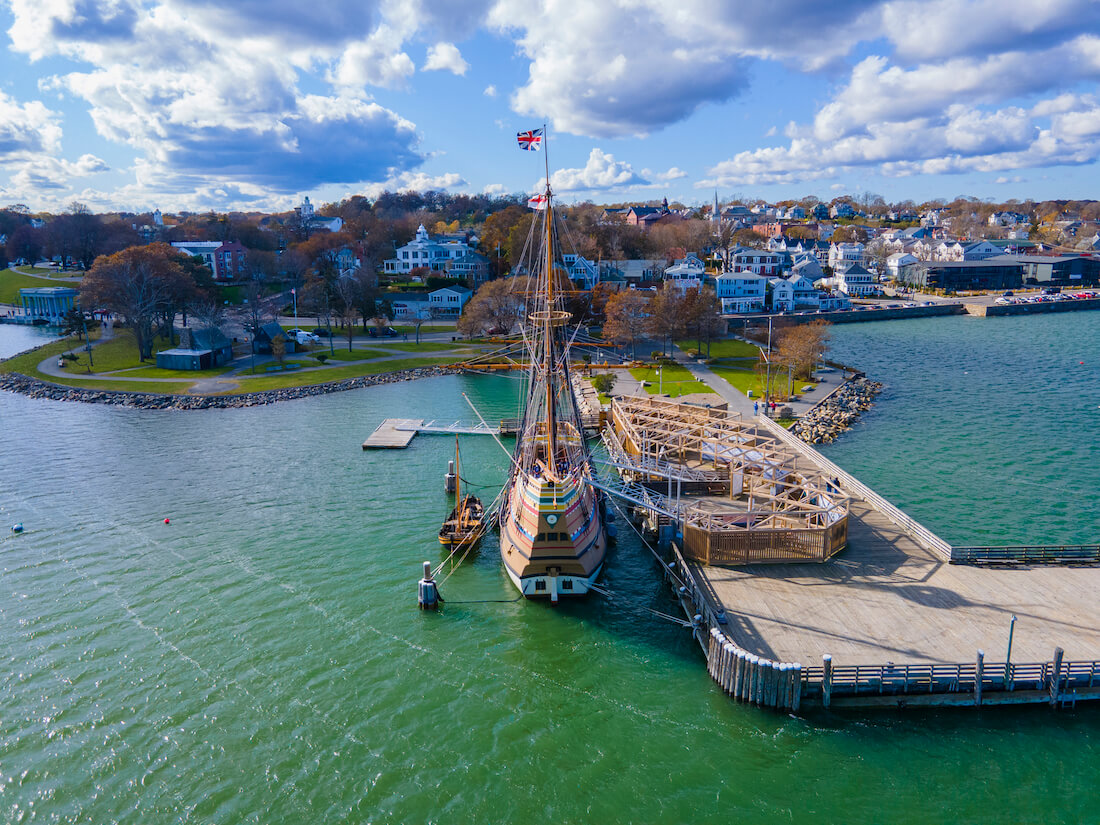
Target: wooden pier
899,618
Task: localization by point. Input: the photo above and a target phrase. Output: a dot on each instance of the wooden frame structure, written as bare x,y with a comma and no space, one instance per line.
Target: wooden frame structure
739,494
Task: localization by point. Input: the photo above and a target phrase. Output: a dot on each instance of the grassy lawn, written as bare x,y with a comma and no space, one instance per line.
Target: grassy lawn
11,282
28,361
427,328
674,381
282,380
157,372
165,388
747,379
119,353
726,348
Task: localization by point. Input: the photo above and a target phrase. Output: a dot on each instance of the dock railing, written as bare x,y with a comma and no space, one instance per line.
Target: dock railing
855,487
1028,554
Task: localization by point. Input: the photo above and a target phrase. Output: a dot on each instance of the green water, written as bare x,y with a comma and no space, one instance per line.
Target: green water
261,658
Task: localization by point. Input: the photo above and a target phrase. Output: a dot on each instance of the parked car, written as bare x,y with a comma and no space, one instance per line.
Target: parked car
1052,290
1007,293
293,333
306,338
324,332
383,332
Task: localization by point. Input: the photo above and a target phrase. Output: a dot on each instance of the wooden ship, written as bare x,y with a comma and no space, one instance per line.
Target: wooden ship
465,525
552,536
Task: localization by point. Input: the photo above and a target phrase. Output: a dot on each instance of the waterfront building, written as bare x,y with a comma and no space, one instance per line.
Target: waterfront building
741,292
845,253
473,268
581,271
853,279
48,303
1064,270
448,301
756,261
1001,272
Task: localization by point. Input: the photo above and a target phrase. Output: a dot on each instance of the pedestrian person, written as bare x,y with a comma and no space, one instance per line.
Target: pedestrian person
756,408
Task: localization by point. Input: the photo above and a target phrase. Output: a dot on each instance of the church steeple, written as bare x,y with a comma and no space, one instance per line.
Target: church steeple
716,215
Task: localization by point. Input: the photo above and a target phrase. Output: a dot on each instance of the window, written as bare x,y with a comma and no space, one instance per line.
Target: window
540,584
567,584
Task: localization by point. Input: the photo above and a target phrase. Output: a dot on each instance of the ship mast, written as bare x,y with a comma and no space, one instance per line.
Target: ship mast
548,351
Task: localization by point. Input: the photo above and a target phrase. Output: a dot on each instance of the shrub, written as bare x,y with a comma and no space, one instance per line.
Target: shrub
321,356
604,383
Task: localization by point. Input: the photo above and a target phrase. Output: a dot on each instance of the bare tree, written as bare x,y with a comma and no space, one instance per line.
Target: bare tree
626,318
666,315
803,347
347,305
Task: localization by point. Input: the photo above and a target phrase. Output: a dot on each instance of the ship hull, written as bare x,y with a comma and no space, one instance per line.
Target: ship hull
553,542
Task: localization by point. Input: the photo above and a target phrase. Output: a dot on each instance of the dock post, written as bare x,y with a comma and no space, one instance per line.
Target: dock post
979,672
827,680
782,700
724,667
731,667
427,593
761,665
710,653
1055,685
772,699
738,673
754,674
796,700
450,477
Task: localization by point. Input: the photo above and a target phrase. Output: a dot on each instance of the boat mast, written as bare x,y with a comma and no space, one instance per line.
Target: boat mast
548,351
458,484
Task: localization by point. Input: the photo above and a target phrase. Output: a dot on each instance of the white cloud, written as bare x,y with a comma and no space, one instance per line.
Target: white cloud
601,172
490,91
494,189
446,57
674,173
27,129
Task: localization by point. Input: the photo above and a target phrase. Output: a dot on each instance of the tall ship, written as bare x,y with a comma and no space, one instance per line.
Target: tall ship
552,536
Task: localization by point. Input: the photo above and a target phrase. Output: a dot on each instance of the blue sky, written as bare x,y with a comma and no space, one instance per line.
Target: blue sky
251,104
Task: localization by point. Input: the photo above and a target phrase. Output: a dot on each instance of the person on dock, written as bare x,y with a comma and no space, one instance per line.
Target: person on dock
756,408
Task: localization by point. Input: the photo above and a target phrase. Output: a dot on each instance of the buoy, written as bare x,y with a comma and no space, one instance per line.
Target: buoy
427,594
17,528
166,521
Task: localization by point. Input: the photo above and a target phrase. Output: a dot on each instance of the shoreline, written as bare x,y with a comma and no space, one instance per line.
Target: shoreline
38,389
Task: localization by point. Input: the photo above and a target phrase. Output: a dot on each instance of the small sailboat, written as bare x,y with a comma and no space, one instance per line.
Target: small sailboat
466,523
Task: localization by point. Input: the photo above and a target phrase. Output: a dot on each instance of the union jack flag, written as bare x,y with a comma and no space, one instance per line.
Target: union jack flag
530,140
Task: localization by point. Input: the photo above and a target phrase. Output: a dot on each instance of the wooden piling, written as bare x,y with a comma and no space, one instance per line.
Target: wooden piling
827,680
1056,677
739,674
796,700
979,673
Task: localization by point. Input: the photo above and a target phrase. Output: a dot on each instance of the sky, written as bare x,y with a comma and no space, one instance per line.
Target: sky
253,104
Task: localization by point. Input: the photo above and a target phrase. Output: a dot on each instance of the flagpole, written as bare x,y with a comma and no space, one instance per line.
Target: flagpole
546,157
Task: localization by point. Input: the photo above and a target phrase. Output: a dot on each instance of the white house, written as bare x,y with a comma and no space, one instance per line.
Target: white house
686,273
741,292
897,262
311,220
425,251
853,279
782,295
841,254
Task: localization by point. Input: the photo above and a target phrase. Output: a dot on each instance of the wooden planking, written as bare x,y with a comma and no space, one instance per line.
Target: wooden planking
887,599
393,433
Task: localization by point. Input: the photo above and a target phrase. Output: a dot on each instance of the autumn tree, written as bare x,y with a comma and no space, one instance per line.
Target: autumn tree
347,293
701,315
803,347
626,318
25,242
496,305
139,285
665,319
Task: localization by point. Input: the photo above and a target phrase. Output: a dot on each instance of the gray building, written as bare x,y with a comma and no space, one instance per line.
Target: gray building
199,349
1063,270
1001,272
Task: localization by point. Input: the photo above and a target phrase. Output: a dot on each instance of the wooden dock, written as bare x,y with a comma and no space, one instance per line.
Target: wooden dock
393,434
892,621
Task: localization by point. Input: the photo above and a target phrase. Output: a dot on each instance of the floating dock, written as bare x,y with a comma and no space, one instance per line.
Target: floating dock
393,434
898,618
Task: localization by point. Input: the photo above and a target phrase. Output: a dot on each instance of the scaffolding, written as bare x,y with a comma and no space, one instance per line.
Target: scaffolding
738,494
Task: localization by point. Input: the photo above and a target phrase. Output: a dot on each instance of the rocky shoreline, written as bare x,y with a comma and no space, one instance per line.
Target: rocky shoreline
833,416
35,388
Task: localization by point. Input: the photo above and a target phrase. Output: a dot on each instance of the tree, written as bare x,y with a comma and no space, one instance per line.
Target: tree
666,315
626,318
278,348
702,315
604,382
25,242
496,305
746,237
803,347
347,305
139,285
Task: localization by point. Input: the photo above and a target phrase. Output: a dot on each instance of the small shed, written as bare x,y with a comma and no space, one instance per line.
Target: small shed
199,349
261,342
